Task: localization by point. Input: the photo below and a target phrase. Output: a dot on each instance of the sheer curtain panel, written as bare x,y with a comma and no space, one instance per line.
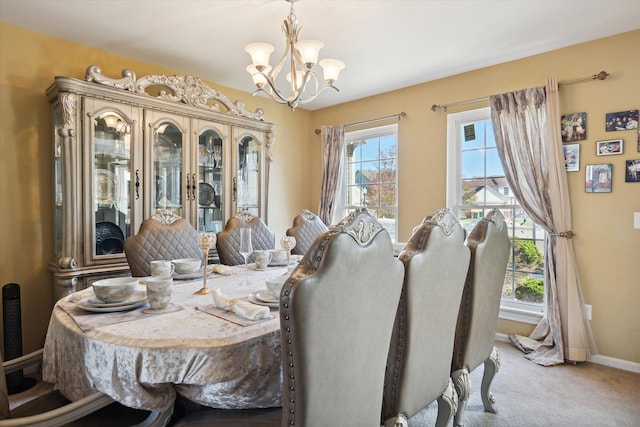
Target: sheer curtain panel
332,161
526,127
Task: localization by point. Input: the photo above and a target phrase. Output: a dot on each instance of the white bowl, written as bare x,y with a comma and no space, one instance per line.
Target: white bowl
274,284
187,265
116,289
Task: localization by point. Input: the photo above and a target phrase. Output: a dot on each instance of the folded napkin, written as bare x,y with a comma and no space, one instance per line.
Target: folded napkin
225,270
241,308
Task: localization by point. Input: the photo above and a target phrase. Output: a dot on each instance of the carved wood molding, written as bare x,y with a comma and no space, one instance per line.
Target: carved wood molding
182,89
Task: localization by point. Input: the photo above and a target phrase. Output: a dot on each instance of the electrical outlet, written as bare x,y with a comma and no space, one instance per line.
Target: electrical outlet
587,311
636,220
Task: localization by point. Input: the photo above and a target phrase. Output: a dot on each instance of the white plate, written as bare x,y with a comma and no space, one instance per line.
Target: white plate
136,297
292,260
265,296
252,298
83,304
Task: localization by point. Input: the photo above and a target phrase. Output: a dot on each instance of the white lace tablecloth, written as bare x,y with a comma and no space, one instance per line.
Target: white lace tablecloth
143,362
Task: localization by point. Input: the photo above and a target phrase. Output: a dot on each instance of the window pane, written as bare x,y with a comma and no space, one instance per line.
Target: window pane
494,165
371,173
369,149
482,186
388,148
472,135
472,164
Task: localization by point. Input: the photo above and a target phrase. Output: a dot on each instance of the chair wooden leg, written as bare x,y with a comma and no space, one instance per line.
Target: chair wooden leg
447,405
491,367
463,387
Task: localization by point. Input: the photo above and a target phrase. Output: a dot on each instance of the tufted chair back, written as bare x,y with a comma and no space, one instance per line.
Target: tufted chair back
228,240
307,226
436,261
336,316
164,236
476,327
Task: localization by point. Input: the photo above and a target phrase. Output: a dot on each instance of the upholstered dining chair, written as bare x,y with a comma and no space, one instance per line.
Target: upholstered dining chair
476,327
336,316
228,240
436,261
42,406
163,236
306,227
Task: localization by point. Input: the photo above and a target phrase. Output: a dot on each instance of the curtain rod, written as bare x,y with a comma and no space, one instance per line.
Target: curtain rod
398,116
600,76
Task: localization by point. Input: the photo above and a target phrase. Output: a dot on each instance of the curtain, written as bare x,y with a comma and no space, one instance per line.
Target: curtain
527,131
332,147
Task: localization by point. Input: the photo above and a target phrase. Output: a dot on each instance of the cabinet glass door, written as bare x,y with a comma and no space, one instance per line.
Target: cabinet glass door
111,181
168,192
210,173
248,176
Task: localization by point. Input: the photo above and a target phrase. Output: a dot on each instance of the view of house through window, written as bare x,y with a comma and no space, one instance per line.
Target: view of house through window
371,174
477,184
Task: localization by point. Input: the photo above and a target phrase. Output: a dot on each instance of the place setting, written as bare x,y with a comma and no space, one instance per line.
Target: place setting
113,295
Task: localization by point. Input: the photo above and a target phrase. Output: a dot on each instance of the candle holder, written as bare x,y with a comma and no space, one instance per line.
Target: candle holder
205,241
288,243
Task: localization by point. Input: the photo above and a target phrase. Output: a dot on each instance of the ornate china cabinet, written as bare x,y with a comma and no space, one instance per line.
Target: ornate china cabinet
126,149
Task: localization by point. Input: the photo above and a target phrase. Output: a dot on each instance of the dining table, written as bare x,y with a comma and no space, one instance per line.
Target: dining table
144,358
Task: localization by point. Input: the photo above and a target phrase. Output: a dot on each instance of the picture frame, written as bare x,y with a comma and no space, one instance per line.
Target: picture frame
598,178
573,127
621,120
609,147
571,157
632,171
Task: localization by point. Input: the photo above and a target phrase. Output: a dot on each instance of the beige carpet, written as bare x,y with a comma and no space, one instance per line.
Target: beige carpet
529,395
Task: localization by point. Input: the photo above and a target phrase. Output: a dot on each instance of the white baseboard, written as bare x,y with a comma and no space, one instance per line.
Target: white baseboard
598,359
612,362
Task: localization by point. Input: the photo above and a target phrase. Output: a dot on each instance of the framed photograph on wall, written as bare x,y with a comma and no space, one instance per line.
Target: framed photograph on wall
571,157
622,120
607,148
632,173
573,127
598,178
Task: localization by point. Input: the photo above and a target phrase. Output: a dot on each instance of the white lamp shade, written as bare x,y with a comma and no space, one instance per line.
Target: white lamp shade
331,68
309,50
299,76
260,53
258,79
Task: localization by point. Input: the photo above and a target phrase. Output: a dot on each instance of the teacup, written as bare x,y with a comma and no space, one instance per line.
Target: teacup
262,258
274,285
279,256
162,268
159,292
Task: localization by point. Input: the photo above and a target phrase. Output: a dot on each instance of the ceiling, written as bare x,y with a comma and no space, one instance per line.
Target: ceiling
386,45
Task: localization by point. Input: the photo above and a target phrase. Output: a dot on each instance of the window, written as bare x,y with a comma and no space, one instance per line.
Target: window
371,174
476,183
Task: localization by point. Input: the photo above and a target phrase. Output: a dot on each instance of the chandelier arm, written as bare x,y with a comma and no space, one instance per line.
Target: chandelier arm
295,100
272,91
274,98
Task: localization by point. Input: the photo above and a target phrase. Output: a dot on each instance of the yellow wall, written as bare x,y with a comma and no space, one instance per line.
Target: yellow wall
606,244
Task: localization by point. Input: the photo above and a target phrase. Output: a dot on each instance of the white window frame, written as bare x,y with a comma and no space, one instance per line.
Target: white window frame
373,132
509,310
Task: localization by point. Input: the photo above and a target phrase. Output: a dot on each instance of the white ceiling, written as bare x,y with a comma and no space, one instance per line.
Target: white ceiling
385,45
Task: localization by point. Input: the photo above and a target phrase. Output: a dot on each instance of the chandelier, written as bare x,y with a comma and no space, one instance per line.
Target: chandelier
302,57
